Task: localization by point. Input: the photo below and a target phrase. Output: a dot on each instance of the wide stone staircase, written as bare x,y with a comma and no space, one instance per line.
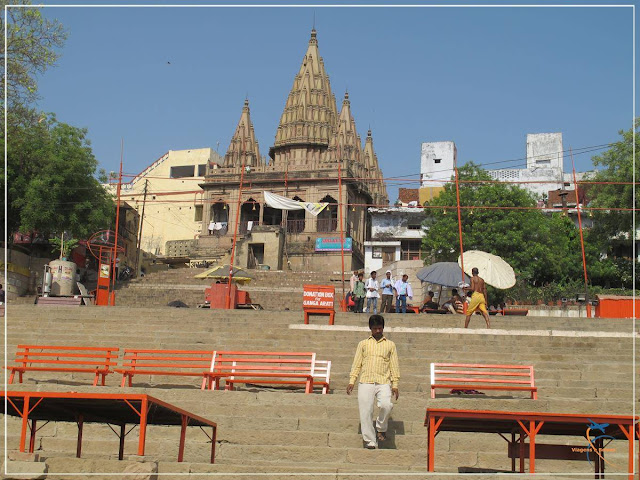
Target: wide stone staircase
581,366
273,290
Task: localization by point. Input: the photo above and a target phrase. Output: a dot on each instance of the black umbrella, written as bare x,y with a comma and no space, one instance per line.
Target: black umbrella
447,274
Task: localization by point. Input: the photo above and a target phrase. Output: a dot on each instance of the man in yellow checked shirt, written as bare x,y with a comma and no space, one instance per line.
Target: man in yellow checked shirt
376,361
478,298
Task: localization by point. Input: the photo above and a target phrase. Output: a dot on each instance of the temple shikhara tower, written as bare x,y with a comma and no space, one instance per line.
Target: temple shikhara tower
317,156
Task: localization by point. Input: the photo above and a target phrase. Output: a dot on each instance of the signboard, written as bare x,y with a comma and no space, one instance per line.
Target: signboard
333,244
320,297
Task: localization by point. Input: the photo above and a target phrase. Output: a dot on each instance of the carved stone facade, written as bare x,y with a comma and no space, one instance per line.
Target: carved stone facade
317,156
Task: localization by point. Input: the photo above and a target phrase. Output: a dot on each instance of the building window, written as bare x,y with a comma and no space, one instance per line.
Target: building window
414,226
198,214
437,160
411,249
202,169
182,171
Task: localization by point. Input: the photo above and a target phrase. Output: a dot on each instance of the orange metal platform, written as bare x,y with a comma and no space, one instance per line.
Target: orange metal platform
120,409
531,424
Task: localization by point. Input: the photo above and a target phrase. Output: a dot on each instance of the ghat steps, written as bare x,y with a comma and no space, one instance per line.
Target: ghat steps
581,366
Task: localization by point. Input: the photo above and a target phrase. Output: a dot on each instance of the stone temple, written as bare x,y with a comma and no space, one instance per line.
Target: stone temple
317,156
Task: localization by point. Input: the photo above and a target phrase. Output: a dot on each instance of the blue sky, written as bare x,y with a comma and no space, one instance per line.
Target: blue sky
482,77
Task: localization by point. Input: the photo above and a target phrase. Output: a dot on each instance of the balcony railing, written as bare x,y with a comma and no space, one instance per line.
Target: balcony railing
243,227
295,225
327,224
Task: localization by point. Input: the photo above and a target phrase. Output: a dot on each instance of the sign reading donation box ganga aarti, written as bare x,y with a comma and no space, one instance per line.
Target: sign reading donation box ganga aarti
333,244
318,297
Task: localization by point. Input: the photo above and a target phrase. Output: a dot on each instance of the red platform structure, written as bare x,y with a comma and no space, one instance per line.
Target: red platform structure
320,300
532,424
217,295
118,409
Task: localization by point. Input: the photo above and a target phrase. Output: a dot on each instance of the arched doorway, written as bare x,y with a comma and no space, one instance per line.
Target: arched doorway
249,216
328,218
219,212
218,218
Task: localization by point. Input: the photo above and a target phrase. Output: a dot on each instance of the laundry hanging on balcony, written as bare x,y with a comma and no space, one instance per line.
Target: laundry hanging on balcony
283,203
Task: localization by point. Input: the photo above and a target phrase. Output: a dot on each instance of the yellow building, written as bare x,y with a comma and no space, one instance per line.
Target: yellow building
173,205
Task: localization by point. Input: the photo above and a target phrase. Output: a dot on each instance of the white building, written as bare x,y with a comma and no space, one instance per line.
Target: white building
544,171
396,234
437,162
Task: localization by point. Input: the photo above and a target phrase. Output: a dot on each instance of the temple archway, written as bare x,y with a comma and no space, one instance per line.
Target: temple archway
328,218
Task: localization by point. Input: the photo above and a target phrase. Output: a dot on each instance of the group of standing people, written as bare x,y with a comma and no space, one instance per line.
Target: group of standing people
371,291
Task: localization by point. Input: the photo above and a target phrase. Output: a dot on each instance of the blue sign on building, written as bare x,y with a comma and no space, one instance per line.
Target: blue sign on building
333,244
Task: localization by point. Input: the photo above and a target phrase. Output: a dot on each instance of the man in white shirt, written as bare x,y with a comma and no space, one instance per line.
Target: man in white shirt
372,288
403,290
353,280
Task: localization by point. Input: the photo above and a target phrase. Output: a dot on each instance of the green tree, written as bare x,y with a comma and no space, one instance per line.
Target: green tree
31,42
51,181
612,231
500,218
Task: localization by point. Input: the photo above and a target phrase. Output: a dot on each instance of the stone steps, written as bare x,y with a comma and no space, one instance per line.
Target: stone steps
274,431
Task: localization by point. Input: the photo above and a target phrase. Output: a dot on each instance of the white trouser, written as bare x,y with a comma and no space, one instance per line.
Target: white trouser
367,394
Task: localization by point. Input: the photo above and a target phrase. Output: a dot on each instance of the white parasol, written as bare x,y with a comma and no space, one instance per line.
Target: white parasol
492,268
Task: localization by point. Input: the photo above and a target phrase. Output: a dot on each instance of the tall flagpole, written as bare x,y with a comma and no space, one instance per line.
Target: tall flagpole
235,229
115,246
464,304
584,259
341,226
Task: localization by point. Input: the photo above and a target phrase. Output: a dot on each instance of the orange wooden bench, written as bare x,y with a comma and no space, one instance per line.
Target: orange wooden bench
191,363
279,368
468,376
53,358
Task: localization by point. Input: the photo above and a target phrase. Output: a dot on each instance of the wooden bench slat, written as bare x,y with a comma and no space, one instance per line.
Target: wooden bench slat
487,387
169,359
62,369
160,372
483,380
66,347
483,365
72,355
186,352
135,366
65,362
470,372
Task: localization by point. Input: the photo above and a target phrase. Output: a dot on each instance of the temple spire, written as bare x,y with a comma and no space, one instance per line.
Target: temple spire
377,185
243,147
310,111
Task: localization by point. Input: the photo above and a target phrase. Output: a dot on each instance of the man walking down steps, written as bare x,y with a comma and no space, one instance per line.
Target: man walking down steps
376,362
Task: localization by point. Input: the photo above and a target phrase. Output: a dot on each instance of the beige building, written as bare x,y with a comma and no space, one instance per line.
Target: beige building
317,156
174,200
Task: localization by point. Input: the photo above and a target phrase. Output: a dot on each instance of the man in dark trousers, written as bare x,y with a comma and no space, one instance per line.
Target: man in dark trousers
376,362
